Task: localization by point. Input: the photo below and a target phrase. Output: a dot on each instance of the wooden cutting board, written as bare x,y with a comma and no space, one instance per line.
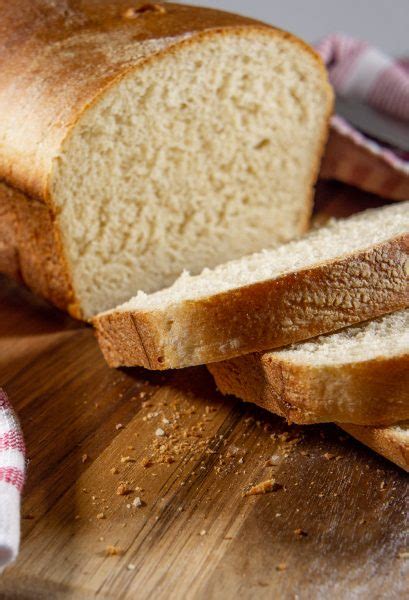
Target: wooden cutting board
337,527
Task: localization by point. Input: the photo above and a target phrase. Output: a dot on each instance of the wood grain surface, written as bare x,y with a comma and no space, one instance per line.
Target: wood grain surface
336,528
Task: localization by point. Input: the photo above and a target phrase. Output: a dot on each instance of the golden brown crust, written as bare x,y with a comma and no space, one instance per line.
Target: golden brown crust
351,163
9,260
31,251
88,46
373,392
384,440
261,316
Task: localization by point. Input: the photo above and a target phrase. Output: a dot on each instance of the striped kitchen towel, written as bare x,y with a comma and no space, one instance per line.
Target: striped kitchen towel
360,71
12,474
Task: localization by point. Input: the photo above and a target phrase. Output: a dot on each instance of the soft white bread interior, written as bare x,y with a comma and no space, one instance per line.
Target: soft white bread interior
350,271
338,238
203,154
358,375
379,339
392,442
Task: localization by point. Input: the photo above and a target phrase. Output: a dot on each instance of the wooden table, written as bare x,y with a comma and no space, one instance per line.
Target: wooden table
335,529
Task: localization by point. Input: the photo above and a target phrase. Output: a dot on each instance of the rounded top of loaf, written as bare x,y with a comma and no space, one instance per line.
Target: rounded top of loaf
58,56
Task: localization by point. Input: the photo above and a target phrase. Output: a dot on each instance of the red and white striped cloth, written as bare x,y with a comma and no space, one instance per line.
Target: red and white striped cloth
12,475
358,70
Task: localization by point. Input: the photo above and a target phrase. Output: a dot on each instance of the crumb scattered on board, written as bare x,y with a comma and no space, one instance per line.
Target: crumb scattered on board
113,551
265,487
300,532
182,432
123,489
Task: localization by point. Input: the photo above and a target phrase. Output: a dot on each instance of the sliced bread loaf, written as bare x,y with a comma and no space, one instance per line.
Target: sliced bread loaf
139,139
349,271
392,442
358,375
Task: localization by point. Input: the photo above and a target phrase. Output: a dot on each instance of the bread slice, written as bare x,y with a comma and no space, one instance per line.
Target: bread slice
392,442
358,375
363,165
139,139
350,271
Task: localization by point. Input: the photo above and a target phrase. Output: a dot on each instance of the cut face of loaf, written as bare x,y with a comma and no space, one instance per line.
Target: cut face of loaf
392,442
350,271
167,139
358,375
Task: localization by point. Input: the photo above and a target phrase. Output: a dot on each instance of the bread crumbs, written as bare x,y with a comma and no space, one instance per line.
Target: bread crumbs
113,551
273,460
265,487
300,532
123,489
127,459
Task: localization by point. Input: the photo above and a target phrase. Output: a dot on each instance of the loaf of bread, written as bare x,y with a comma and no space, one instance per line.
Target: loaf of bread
349,271
392,442
139,139
358,375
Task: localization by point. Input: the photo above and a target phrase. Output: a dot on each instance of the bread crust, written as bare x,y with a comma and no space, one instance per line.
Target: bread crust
89,46
265,315
347,161
373,392
9,259
30,248
384,440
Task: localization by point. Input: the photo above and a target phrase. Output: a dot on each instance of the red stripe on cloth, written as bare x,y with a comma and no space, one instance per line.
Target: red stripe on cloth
13,476
12,440
340,52
4,402
390,92
344,64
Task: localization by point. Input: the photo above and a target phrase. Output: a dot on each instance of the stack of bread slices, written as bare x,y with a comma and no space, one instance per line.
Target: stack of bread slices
141,139
316,330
